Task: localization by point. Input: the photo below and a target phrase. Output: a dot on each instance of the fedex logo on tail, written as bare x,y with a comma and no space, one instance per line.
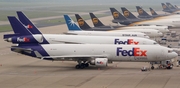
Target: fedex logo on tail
29,26
23,39
128,42
133,52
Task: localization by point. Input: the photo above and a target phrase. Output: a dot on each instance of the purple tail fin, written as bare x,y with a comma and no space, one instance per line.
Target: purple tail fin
17,26
24,19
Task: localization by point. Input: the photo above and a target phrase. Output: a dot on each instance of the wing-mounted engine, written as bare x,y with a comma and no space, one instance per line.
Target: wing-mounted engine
99,61
25,39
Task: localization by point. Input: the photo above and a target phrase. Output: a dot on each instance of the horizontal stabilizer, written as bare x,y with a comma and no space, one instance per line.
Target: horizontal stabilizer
15,48
10,35
38,54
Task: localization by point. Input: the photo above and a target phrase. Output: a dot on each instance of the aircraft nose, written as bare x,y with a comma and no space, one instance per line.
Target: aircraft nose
172,55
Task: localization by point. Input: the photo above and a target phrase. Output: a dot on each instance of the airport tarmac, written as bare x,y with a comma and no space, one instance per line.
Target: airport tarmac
19,71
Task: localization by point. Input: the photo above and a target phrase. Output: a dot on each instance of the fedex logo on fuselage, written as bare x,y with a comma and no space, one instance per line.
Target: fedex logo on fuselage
128,42
99,62
22,39
133,52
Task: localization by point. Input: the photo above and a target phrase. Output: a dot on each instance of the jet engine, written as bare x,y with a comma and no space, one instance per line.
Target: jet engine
99,61
25,39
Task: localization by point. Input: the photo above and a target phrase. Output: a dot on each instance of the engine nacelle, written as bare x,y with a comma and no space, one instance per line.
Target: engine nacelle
99,61
26,39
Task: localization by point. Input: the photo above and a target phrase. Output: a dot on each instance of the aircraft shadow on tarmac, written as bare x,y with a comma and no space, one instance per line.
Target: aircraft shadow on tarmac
71,67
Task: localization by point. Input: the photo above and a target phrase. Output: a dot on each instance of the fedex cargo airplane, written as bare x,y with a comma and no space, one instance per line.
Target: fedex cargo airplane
25,37
96,54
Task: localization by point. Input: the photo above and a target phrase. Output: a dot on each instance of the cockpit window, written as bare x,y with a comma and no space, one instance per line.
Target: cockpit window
170,51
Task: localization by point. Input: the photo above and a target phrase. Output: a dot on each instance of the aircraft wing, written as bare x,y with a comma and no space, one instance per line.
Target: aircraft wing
75,57
69,33
68,42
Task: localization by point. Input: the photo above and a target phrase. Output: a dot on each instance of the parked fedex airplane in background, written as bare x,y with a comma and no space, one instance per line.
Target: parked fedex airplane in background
25,37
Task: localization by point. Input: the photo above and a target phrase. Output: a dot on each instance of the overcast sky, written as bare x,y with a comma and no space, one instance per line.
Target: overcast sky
95,1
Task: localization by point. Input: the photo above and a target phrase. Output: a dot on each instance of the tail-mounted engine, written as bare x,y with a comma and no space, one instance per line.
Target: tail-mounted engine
25,39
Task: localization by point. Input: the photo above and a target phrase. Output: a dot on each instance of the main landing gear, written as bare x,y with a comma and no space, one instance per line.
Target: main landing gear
81,65
152,67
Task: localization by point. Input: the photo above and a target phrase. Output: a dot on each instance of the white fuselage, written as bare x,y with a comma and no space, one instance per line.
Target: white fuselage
82,39
134,53
109,33
162,29
150,32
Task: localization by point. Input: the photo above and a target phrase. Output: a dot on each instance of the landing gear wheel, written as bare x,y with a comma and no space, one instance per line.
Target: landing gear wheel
87,65
152,67
82,65
77,66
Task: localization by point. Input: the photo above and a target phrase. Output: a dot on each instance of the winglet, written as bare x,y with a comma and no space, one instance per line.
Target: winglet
71,24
